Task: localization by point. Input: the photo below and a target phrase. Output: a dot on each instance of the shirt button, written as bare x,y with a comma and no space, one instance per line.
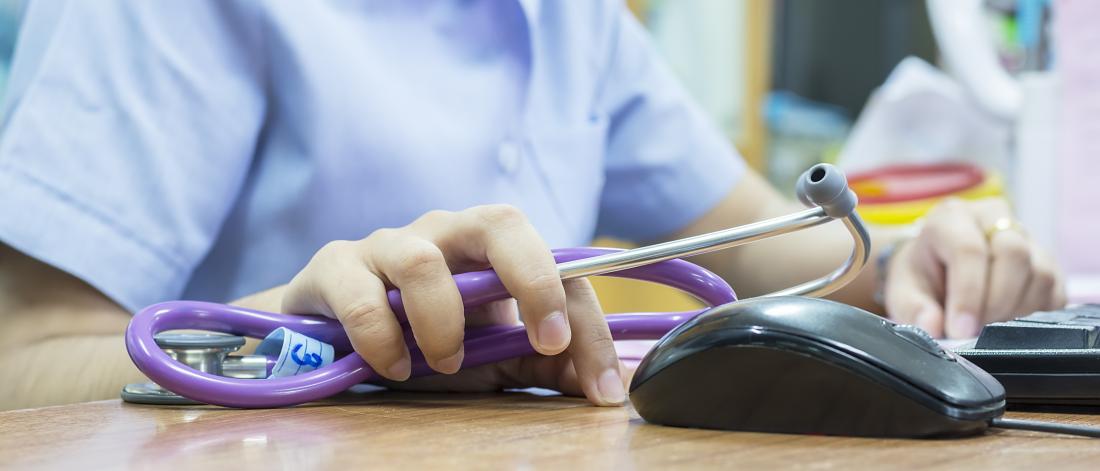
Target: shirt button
508,156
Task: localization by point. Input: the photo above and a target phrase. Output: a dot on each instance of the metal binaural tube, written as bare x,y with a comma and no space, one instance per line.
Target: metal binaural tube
697,245
861,251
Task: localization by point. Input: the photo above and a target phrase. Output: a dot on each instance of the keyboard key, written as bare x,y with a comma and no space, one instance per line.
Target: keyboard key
1025,334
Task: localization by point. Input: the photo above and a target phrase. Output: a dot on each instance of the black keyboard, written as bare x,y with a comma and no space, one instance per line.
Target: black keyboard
1045,358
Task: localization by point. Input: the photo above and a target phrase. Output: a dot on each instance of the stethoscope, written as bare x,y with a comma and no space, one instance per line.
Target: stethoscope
198,368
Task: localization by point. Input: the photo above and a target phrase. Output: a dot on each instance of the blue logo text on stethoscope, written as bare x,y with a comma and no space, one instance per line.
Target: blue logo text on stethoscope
309,359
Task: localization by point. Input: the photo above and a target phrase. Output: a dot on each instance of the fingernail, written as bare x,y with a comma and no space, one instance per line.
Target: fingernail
400,369
450,364
553,334
610,385
964,325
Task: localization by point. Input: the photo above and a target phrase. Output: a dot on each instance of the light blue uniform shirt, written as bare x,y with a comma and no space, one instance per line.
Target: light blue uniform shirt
206,149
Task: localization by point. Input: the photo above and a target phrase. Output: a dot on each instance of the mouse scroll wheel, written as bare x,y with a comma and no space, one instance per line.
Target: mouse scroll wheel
920,338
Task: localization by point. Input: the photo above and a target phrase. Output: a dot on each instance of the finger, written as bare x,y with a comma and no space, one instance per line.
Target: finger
1009,260
910,297
431,299
538,371
1047,272
592,349
525,266
1045,290
337,284
502,312
555,372
960,244
1009,274
549,372
1060,297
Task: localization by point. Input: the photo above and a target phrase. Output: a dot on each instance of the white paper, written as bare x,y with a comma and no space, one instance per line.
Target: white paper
919,116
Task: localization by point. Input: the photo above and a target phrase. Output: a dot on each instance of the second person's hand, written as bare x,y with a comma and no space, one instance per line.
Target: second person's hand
970,265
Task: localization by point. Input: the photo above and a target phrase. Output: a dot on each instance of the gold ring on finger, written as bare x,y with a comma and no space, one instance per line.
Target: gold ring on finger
1003,224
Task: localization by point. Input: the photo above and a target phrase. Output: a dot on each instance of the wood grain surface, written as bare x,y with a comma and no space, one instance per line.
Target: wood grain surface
388,430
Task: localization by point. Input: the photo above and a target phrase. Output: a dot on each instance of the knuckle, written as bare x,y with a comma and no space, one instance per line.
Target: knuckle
365,318
600,341
420,259
435,216
970,251
971,248
545,284
383,234
499,214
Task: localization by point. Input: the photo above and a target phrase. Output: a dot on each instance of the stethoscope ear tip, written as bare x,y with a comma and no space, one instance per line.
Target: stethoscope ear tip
824,185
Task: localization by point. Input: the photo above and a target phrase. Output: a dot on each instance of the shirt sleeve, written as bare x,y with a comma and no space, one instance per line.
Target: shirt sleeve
128,131
667,163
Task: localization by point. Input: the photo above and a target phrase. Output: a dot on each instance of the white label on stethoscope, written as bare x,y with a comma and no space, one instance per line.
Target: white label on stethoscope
297,353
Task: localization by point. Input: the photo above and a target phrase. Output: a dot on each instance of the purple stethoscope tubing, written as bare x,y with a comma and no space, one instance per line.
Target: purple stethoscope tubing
823,187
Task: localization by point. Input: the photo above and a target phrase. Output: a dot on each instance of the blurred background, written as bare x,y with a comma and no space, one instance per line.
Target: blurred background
917,99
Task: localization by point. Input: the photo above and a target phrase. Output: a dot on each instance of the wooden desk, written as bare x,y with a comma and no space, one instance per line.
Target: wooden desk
492,431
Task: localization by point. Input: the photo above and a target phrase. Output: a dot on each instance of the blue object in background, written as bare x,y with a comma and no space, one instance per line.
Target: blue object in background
10,12
803,132
1029,29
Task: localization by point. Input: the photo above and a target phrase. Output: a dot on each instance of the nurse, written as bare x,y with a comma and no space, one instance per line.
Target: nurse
305,156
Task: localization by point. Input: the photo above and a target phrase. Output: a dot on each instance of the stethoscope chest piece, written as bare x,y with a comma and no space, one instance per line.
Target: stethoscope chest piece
208,353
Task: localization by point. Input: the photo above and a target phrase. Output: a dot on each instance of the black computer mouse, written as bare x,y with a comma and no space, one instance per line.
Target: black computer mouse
803,365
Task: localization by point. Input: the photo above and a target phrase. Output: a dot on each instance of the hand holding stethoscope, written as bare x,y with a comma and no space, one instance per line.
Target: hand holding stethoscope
348,280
